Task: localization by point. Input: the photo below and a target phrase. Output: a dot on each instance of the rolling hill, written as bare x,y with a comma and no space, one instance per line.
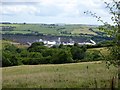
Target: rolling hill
76,75
53,29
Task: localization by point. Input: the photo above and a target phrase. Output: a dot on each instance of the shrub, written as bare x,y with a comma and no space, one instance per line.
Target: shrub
61,57
5,60
78,53
36,48
37,44
31,58
46,60
48,52
93,56
114,57
10,59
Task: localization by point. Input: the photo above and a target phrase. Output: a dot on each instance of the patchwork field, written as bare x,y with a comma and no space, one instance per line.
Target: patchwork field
83,31
48,29
76,75
104,51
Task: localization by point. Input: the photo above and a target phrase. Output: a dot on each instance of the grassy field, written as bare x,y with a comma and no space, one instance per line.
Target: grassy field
8,42
104,51
76,75
48,29
83,31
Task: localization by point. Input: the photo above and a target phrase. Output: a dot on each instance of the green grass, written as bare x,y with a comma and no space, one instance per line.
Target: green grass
104,51
28,28
83,31
13,25
59,76
8,42
55,30
16,32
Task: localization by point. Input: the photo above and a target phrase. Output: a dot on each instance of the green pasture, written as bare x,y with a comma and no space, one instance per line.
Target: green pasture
48,29
104,51
83,31
76,75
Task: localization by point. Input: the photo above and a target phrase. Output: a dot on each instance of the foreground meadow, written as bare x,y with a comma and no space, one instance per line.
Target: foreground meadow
76,75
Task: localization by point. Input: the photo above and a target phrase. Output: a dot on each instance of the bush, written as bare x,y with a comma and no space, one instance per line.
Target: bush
114,57
48,52
46,60
10,47
9,59
93,56
37,44
36,48
62,57
78,53
31,58
5,59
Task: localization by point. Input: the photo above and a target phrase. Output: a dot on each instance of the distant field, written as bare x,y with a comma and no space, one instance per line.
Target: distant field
104,50
49,29
83,31
0,44
6,42
77,75
9,24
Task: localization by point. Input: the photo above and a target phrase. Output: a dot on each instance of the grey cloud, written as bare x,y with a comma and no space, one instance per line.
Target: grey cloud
49,11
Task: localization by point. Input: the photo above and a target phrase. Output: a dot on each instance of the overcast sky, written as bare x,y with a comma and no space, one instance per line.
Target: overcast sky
53,11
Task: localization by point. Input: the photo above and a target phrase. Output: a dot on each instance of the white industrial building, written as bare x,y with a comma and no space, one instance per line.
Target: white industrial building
58,42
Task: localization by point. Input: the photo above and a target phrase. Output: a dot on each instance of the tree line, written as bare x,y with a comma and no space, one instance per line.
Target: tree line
37,53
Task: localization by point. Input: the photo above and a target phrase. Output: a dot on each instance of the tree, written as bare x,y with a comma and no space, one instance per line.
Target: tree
37,47
78,53
10,56
5,59
37,44
112,30
93,55
62,56
10,59
48,52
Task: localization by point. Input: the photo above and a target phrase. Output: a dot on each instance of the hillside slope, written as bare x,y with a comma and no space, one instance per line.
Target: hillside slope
76,75
48,29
